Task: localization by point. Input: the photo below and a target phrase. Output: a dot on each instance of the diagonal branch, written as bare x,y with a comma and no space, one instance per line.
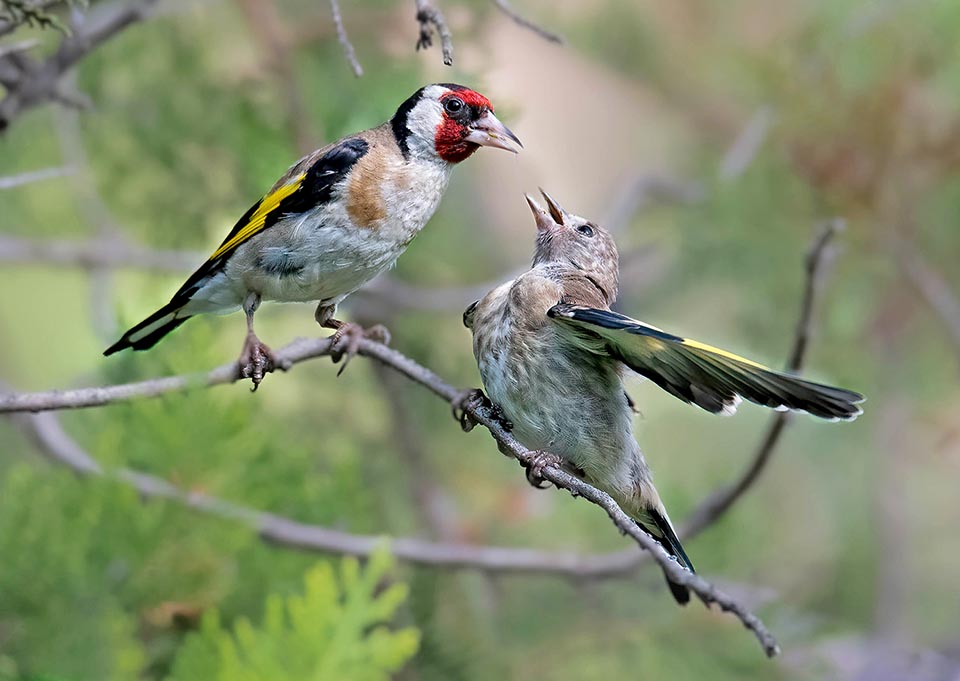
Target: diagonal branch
302,349
721,500
345,39
505,7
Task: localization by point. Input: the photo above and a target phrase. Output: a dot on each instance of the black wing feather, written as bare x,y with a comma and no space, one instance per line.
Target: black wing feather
708,377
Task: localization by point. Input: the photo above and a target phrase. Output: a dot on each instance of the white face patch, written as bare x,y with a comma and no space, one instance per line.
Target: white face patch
422,122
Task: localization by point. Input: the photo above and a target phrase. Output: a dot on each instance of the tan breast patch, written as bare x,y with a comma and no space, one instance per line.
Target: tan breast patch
365,204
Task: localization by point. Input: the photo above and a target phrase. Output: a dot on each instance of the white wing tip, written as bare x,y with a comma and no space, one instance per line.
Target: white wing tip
730,406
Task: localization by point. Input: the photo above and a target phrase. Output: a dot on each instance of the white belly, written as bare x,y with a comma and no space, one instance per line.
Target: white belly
321,255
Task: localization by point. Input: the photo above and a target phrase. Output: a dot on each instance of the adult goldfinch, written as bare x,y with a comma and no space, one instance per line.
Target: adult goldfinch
335,220
552,356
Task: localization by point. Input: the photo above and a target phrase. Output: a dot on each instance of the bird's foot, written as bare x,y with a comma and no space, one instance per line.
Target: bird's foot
466,400
256,361
471,399
540,461
345,341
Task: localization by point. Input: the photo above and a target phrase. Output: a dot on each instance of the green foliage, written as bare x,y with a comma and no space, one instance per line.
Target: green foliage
335,630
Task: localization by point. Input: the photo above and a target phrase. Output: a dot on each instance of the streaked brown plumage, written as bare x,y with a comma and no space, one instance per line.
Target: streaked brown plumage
552,356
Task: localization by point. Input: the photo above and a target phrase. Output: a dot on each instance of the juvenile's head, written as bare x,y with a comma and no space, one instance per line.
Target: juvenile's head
449,122
573,241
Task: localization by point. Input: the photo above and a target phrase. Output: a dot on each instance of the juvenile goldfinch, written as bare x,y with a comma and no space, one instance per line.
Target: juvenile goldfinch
338,217
552,356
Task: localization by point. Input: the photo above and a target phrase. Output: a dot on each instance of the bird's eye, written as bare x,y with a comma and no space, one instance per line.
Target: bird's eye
453,105
586,230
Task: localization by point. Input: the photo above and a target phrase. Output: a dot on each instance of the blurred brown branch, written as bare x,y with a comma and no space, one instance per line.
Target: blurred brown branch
295,533
30,83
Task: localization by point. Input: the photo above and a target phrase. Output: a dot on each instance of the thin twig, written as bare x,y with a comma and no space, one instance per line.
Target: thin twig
721,500
345,39
505,7
94,254
430,17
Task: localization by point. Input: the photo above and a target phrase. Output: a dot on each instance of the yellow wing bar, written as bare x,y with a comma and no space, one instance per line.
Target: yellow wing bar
256,222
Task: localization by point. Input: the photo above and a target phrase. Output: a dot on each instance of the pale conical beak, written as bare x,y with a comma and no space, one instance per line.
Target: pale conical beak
488,131
556,210
544,221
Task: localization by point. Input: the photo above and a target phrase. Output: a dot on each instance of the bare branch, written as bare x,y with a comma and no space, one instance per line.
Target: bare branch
430,18
39,82
45,430
13,181
637,265
295,533
706,591
505,7
721,500
344,39
95,254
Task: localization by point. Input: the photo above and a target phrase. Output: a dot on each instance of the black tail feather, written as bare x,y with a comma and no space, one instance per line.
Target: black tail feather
667,537
148,333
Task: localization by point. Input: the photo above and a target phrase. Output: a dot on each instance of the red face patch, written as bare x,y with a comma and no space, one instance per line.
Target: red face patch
450,141
470,98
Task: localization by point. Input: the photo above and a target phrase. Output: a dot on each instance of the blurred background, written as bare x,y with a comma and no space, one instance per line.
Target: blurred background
715,138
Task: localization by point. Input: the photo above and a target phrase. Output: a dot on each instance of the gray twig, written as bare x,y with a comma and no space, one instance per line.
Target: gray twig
430,17
345,39
505,7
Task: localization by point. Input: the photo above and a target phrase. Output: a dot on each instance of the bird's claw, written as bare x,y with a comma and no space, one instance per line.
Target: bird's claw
464,402
256,361
345,341
471,400
539,461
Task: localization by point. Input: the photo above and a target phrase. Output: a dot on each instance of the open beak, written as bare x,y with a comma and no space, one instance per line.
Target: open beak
544,221
556,211
488,131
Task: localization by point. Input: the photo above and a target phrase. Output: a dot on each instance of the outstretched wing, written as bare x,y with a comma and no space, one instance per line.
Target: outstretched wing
700,374
306,185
